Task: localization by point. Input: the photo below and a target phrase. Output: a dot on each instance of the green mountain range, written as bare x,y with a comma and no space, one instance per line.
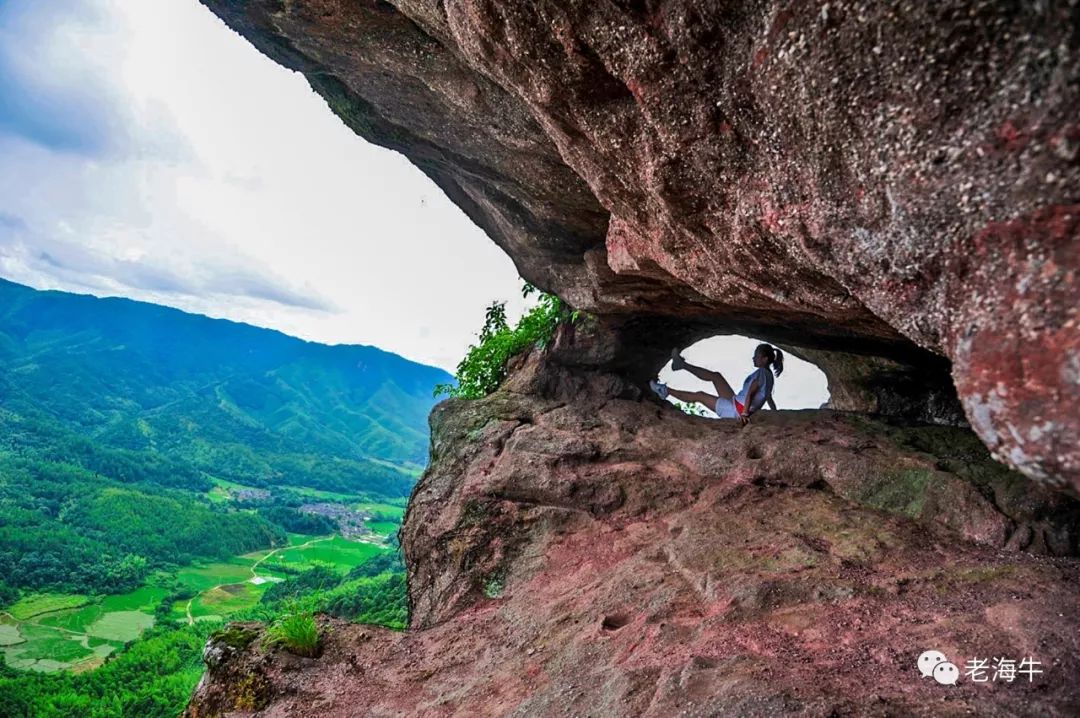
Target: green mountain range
118,417
235,401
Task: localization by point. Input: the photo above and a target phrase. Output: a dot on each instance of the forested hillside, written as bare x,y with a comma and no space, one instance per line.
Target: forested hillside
118,417
231,398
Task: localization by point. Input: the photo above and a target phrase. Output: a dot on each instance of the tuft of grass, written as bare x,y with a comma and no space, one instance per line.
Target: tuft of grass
298,633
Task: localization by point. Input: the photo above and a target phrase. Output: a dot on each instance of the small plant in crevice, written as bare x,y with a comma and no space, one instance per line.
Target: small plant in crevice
494,585
297,633
484,367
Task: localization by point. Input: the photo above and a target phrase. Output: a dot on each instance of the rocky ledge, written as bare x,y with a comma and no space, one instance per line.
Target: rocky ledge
578,551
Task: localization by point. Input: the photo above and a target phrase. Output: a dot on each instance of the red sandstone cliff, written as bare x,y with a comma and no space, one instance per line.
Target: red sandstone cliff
888,189
574,552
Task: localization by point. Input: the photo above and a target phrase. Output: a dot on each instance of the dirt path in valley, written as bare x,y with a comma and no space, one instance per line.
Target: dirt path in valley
254,566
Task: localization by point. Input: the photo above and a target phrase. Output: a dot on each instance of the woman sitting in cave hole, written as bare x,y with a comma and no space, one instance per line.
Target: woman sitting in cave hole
756,389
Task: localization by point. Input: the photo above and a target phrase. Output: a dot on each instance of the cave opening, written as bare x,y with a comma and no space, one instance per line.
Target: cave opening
802,385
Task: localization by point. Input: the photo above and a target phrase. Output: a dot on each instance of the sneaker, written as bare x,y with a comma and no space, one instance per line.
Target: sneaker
677,362
660,389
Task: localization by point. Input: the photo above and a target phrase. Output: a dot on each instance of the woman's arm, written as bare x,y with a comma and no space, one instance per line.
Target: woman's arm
745,416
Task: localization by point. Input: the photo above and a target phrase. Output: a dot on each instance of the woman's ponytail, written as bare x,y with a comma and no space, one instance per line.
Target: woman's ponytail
774,355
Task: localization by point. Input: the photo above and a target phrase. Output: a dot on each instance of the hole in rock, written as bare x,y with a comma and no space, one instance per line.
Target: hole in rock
614,622
801,385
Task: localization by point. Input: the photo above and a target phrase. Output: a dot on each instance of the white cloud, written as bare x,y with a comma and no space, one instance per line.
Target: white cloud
155,154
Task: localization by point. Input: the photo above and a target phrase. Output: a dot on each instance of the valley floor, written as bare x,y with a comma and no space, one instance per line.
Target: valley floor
51,632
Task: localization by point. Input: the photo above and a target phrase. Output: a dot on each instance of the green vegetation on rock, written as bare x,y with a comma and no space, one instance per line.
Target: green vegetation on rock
485,364
297,632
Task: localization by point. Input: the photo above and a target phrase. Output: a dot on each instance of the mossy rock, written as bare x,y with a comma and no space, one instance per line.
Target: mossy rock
237,636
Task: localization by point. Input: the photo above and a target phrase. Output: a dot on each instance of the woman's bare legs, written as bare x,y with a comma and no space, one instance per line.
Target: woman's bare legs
722,387
704,398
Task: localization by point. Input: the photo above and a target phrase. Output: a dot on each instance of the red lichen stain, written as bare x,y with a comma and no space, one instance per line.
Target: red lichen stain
771,220
1010,137
860,193
760,56
780,22
1018,334
1057,222
725,129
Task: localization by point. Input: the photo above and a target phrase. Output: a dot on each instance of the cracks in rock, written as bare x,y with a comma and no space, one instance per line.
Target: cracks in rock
537,503
772,482
700,585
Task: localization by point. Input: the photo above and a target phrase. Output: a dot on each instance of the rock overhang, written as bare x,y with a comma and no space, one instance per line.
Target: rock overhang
891,189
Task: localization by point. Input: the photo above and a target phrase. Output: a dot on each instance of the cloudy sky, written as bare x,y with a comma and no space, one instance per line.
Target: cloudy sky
148,151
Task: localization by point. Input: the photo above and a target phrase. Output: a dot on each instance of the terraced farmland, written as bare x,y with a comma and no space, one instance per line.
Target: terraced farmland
51,632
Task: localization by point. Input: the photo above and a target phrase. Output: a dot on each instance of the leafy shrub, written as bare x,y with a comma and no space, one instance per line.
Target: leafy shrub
298,633
691,408
484,366
494,585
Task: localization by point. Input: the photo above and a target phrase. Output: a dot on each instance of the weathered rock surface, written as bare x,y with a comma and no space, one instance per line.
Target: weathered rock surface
574,551
894,182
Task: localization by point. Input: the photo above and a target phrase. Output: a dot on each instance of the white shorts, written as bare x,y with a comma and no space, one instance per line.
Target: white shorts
726,409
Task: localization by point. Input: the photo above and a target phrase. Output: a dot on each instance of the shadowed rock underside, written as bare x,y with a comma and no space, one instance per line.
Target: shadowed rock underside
893,186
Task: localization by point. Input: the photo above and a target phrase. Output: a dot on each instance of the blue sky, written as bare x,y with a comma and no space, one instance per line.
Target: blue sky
147,151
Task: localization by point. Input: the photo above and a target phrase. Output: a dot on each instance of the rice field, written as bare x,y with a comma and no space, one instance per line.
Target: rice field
389,509
383,528
340,553
30,606
52,632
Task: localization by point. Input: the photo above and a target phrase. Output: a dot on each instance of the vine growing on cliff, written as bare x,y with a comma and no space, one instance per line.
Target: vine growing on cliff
484,367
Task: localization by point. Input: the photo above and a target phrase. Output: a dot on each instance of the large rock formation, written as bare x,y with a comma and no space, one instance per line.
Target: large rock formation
575,551
890,190
892,187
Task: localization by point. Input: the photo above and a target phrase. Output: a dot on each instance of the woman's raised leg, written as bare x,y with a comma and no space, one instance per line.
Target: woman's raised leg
722,387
